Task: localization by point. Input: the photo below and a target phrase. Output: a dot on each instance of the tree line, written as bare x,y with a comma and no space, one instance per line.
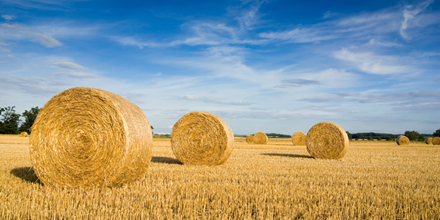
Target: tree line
411,135
10,120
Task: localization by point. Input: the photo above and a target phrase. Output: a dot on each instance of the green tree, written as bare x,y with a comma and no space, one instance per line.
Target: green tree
29,119
389,138
379,138
349,135
436,133
10,120
369,138
421,138
412,135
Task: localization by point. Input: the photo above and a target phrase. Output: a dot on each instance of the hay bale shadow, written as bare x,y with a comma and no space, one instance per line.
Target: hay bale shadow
288,155
27,174
165,160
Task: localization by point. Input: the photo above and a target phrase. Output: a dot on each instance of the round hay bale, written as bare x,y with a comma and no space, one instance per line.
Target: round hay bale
201,138
428,140
91,138
436,141
402,140
260,138
299,138
327,140
250,139
24,134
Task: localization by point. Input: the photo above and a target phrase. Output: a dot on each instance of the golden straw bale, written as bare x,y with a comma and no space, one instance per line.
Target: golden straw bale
24,134
260,138
91,138
299,138
402,140
327,140
428,140
436,141
201,138
250,139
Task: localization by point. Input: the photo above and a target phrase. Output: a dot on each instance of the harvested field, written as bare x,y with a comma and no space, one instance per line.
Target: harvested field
274,181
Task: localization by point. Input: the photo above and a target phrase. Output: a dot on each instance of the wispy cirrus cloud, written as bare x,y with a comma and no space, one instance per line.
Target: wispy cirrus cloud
69,65
371,63
297,83
75,74
366,25
416,101
16,31
219,101
8,17
409,13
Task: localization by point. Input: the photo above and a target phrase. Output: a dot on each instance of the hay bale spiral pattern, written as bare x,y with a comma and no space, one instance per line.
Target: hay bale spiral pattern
201,138
260,138
428,140
299,138
92,138
436,141
250,139
327,140
402,140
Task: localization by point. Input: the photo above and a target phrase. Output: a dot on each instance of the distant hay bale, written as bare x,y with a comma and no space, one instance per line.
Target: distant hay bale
402,140
24,134
260,138
374,139
299,138
436,141
327,140
201,138
250,139
353,139
428,140
91,138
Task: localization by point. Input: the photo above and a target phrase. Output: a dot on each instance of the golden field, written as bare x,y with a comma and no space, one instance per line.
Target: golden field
375,180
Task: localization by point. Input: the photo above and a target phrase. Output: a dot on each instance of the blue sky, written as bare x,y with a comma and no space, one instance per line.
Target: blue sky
272,66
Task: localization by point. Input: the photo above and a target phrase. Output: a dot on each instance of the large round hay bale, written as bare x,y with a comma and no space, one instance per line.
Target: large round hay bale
250,139
299,138
327,140
402,140
201,138
436,141
92,138
428,140
260,138
24,134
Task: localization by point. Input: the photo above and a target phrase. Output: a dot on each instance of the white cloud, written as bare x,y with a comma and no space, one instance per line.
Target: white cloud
366,24
8,17
69,65
409,14
44,39
297,83
15,31
345,94
329,14
75,74
370,63
384,44
214,100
